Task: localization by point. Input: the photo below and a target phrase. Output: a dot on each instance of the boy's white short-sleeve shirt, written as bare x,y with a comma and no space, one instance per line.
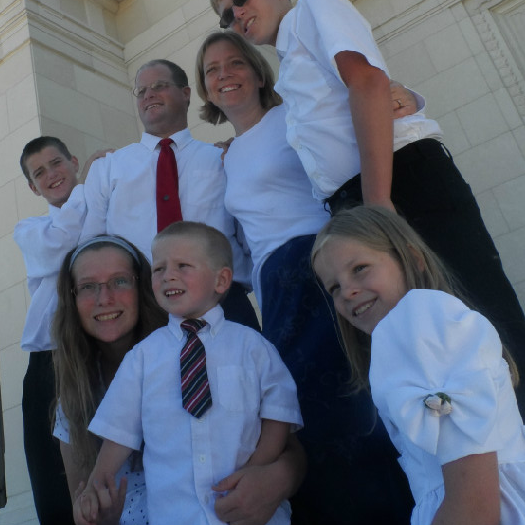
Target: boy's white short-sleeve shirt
319,123
184,456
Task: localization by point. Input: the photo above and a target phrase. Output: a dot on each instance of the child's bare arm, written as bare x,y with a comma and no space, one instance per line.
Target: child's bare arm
272,442
372,116
74,474
472,494
109,461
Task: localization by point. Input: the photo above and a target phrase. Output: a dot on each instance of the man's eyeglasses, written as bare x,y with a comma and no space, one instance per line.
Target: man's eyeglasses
116,284
160,85
228,17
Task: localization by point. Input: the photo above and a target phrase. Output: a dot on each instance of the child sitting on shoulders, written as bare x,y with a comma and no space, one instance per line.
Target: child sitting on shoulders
436,369
205,395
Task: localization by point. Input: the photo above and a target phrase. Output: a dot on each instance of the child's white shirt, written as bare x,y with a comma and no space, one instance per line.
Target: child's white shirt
319,122
184,456
431,343
44,241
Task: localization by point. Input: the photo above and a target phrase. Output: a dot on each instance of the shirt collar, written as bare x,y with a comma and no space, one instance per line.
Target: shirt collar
285,27
181,139
53,210
214,319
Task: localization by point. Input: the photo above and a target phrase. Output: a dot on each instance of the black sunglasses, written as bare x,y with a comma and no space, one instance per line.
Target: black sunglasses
228,17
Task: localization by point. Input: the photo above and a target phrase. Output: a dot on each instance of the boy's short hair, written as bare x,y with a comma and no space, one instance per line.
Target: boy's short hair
36,146
217,247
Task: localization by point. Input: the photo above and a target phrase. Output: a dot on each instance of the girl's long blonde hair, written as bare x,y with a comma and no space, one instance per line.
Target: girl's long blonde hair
384,231
75,359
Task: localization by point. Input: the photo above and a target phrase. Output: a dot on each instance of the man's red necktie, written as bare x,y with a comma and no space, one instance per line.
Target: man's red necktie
168,202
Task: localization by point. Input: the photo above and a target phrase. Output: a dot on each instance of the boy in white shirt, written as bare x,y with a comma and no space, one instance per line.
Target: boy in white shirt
246,418
51,172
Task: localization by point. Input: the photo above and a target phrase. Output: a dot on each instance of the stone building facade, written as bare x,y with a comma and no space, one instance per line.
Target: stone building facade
66,67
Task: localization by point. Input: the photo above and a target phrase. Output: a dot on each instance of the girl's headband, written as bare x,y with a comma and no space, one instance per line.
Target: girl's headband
106,239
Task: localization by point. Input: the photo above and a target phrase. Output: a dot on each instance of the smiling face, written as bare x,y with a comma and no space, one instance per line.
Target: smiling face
162,112
183,281
52,175
257,20
111,315
364,283
231,82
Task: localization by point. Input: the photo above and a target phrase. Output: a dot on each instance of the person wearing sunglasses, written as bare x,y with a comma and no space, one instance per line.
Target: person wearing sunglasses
335,86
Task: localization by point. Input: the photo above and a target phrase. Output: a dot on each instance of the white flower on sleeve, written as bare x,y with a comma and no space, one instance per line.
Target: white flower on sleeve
439,404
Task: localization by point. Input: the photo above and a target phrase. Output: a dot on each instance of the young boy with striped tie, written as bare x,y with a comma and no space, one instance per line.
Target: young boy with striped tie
204,395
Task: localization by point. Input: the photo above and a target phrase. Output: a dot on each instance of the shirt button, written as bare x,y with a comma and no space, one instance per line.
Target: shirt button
202,458
166,197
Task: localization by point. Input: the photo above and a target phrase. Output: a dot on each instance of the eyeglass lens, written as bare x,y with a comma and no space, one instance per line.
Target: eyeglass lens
121,282
156,86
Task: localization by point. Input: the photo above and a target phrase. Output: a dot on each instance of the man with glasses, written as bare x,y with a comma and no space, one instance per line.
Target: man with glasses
120,189
120,196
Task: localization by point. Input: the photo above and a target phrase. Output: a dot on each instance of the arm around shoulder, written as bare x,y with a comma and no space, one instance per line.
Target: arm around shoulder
93,157
45,240
98,188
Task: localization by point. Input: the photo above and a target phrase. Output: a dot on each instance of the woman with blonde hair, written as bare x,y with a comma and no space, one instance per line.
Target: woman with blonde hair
353,476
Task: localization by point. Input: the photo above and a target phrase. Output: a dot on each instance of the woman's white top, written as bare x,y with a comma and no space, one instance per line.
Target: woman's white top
430,344
268,192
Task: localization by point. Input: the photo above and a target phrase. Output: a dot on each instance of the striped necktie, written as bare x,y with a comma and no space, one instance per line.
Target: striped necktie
196,395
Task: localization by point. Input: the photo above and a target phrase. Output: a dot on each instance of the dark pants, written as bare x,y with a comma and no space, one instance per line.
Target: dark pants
353,476
238,308
429,191
44,461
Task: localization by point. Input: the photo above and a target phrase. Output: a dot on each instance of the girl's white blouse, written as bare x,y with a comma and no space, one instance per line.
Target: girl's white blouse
430,344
